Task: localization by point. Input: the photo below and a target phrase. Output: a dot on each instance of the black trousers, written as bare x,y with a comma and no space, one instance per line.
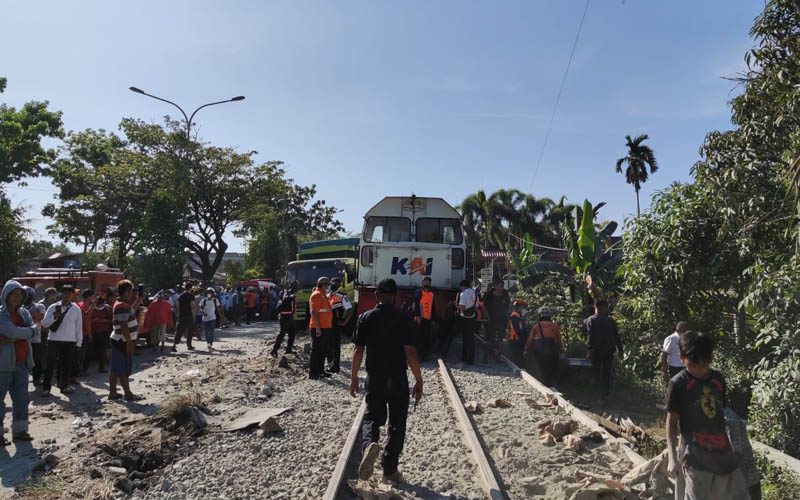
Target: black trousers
39,358
674,370
495,332
425,340
467,328
287,327
546,353
60,359
319,347
334,352
185,324
251,315
386,393
603,367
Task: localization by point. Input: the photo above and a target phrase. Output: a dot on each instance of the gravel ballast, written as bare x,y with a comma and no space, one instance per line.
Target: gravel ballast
525,467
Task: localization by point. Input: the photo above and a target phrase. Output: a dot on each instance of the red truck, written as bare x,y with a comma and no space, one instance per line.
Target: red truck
97,279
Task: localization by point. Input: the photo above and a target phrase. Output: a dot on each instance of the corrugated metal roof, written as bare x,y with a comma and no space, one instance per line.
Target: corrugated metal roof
493,254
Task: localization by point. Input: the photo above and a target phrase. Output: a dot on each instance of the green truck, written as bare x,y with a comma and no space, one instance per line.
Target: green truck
328,258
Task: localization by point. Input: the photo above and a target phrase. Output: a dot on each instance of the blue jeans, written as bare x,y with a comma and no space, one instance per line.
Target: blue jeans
209,327
16,383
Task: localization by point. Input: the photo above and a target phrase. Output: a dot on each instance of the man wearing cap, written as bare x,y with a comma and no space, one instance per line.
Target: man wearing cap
319,328
342,310
386,333
545,343
604,340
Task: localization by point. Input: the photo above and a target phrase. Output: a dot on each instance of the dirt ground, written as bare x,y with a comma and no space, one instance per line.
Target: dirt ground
65,428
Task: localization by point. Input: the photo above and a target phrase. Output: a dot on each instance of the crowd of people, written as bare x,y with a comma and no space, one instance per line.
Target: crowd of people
60,335
57,338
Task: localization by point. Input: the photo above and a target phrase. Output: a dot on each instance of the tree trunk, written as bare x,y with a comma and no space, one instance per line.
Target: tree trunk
638,212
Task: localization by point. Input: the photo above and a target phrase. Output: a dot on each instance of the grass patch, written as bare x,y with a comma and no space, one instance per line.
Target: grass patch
41,488
177,405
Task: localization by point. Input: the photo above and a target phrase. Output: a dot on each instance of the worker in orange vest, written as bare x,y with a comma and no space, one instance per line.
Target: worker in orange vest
423,317
342,311
545,343
518,331
319,328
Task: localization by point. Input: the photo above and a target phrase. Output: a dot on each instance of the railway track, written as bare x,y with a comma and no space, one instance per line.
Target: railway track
492,454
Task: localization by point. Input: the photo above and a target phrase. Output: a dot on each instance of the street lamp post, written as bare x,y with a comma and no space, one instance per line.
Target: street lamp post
188,120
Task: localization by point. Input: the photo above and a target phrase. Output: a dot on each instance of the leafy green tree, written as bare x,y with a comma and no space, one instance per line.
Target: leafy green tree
639,157
21,134
721,251
44,248
12,239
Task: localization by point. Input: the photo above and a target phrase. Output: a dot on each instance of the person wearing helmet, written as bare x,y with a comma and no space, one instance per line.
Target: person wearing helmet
518,331
319,328
342,311
286,309
545,343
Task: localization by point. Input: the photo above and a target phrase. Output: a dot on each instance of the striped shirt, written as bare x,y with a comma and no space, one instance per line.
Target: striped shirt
124,314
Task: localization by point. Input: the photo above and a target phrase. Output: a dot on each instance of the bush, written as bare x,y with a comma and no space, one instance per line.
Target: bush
775,408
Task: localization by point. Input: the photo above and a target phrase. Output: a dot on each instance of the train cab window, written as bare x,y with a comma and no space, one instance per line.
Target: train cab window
387,229
446,231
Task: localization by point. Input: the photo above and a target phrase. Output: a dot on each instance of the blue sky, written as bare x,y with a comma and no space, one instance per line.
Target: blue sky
374,98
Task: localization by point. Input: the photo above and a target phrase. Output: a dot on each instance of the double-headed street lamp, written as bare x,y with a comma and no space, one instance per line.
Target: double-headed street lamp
186,118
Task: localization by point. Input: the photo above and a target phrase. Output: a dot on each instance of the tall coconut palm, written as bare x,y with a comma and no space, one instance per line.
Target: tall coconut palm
476,213
638,158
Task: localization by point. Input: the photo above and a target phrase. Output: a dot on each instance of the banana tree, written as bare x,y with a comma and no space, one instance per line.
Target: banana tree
590,257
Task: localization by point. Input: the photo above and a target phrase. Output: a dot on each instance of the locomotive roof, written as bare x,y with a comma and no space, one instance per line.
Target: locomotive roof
400,206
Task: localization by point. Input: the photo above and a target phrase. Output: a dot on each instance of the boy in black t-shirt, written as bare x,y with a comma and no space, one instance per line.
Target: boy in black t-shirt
705,460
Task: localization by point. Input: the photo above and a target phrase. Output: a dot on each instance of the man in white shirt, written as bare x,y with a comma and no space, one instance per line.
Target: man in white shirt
65,321
671,363
465,323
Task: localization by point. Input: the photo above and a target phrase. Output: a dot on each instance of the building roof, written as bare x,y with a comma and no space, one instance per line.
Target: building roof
493,253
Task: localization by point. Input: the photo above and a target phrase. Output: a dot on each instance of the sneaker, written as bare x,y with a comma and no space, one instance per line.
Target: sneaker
45,393
394,477
274,354
325,375
174,348
368,461
191,348
67,390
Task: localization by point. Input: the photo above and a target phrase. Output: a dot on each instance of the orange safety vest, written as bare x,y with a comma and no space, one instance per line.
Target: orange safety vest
426,304
335,299
513,335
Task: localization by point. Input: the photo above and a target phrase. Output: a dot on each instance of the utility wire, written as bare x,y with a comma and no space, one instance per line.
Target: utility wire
558,98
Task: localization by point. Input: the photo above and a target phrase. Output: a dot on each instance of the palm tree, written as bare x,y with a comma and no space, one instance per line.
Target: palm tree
639,157
475,210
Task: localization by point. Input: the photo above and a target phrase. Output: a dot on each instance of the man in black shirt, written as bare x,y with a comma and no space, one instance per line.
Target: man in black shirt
604,340
497,305
706,462
386,333
185,318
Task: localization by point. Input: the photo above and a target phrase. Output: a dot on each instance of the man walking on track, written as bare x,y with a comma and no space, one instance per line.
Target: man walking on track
319,329
386,333
604,340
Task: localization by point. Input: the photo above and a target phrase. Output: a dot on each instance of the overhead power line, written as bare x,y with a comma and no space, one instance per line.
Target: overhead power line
558,97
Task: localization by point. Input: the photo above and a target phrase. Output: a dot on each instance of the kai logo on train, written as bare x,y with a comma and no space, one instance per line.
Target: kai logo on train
417,266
